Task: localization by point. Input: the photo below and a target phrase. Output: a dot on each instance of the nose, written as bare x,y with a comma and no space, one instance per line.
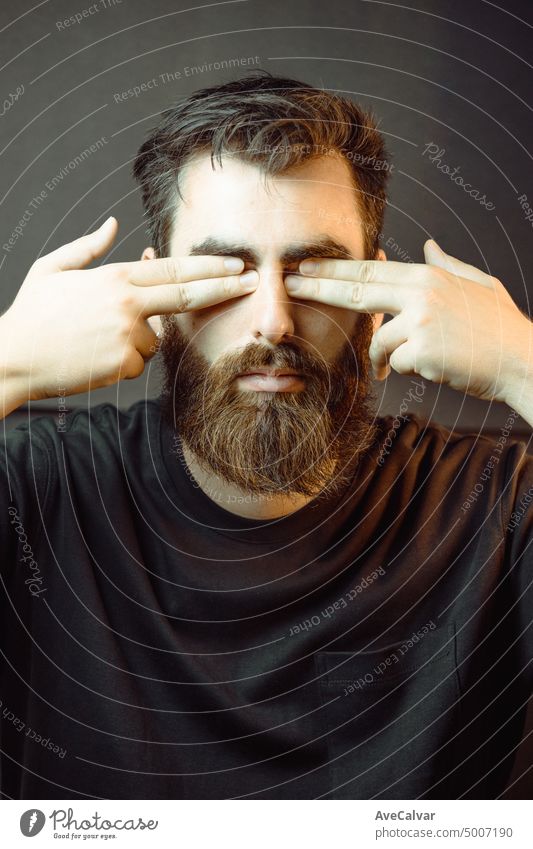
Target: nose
271,318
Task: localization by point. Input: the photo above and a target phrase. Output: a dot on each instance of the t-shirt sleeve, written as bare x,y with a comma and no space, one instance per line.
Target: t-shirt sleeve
25,464
517,516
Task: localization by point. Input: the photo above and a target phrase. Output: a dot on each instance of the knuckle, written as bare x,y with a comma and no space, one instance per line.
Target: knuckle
426,302
173,268
420,316
356,293
126,301
228,284
366,272
434,299
429,373
183,300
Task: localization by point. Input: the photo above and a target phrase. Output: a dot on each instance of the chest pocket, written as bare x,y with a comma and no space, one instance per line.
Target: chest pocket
390,715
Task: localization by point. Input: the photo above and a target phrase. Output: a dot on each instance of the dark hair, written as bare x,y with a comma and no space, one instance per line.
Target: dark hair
269,121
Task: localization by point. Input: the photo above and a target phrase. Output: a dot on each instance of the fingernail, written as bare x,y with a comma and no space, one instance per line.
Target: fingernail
292,282
249,279
233,264
308,266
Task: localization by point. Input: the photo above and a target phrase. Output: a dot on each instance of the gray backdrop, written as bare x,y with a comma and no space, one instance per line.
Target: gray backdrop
453,74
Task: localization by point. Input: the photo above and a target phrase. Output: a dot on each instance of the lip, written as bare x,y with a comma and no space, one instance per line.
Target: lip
276,372
271,380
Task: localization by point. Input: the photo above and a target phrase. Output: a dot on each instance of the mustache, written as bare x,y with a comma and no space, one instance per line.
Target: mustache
285,355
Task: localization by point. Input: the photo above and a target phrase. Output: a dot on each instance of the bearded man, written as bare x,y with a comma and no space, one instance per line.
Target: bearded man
253,585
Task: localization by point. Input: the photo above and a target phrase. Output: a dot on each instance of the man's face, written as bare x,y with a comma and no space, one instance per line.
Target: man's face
286,438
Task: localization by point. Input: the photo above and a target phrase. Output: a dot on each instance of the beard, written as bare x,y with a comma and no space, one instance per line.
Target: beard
297,443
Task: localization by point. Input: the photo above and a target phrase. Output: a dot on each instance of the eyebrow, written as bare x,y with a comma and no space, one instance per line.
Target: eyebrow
321,247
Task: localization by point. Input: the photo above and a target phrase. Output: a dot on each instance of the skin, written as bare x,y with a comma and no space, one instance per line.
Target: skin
70,330
295,210
452,323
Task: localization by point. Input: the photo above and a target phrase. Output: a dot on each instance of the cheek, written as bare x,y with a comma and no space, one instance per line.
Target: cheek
210,329
325,327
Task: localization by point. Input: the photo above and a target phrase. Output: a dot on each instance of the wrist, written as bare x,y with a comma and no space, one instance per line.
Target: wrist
14,389
519,380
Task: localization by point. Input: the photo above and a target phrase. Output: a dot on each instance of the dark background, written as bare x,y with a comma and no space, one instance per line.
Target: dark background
454,73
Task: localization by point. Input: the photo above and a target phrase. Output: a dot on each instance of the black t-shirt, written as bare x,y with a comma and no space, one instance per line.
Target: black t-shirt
155,645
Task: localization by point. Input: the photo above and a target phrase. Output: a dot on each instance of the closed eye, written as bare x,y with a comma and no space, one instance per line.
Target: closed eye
288,269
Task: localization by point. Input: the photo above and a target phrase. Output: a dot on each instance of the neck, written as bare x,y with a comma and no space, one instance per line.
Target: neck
238,501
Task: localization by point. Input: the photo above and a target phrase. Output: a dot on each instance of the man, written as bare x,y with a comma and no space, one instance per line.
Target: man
253,586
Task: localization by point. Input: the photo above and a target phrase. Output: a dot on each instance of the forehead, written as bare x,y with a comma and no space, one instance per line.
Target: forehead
237,202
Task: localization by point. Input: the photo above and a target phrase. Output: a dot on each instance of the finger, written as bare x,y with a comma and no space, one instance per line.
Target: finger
183,297
365,270
80,252
403,360
385,341
183,269
142,338
434,255
145,340
362,297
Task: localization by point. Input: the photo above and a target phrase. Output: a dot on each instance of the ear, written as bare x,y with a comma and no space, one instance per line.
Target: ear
153,320
381,256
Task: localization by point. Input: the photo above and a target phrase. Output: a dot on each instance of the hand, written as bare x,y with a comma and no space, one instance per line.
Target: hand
452,324
69,330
